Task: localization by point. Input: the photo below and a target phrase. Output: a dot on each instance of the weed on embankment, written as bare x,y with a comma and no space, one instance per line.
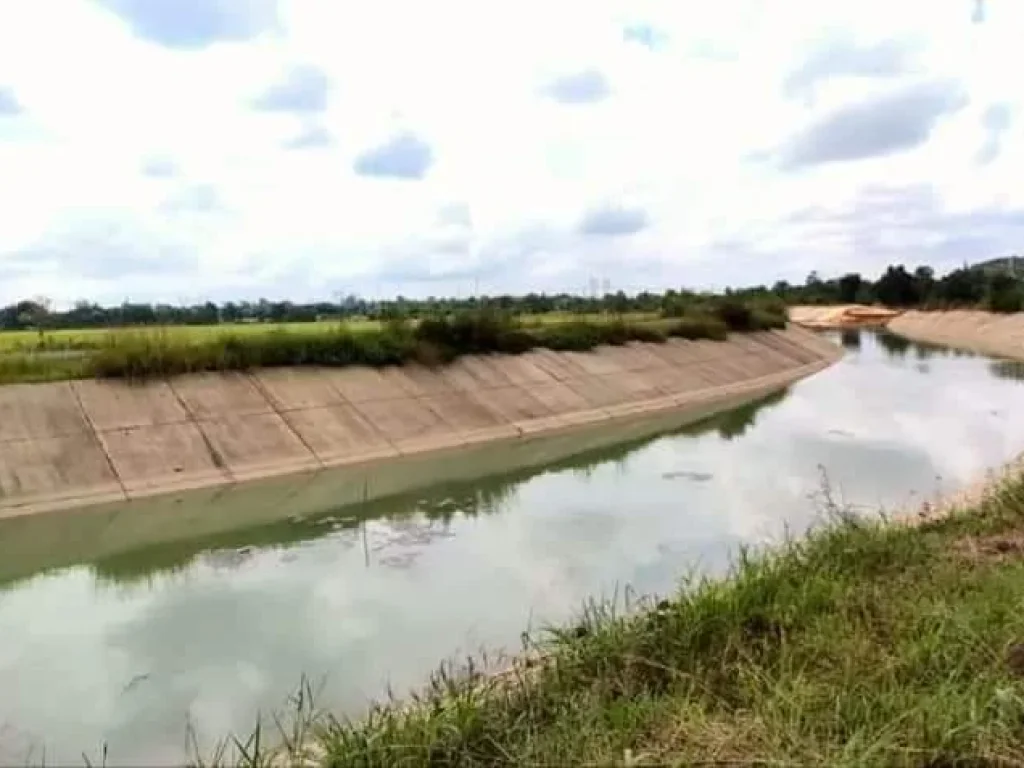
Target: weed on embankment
865,643
139,355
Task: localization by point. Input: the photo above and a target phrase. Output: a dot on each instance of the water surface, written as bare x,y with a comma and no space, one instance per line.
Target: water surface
128,648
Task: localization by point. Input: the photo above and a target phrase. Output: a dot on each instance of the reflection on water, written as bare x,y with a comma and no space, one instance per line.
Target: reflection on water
1008,369
216,627
427,513
850,338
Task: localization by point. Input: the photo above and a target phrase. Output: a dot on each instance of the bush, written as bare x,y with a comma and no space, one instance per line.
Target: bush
433,341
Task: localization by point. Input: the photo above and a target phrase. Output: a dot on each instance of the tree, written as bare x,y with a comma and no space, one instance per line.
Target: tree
849,287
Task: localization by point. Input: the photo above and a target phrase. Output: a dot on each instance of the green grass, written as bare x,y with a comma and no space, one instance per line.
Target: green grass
863,644
142,354
84,339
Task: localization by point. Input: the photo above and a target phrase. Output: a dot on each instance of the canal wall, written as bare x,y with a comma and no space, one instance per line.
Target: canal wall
999,335
95,443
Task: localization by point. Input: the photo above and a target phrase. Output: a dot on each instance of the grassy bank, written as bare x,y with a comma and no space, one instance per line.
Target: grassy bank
863,644
145,354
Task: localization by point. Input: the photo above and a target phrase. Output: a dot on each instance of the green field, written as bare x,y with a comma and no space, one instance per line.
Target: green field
137,353
93,338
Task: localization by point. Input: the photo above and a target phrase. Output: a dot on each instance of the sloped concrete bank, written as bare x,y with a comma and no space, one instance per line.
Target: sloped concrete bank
984,332
99,443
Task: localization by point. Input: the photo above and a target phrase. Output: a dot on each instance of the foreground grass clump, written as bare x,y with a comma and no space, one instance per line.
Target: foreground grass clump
863,644
433,340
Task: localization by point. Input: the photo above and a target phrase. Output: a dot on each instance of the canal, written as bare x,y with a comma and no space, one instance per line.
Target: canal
127,649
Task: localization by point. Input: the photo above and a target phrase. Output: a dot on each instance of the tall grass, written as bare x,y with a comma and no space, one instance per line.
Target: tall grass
433,340
863,644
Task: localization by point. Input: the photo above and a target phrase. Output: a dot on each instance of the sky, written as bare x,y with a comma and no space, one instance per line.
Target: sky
193,150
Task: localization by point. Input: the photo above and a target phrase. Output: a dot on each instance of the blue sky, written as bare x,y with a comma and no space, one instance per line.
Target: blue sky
184,150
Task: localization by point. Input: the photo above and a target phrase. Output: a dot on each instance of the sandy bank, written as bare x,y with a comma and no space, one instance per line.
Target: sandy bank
85,443
983,332
841,316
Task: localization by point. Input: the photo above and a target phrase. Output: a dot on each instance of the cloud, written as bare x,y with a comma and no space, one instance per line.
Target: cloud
304,89
838,55
996,122
195,24
311,137
893,122
584,87
406,156
159,167
613,221
911,224
103,247
511,178
9,105
455,214
196,198
644,34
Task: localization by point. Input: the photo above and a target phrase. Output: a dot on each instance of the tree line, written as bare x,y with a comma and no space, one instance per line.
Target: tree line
985,286
995,285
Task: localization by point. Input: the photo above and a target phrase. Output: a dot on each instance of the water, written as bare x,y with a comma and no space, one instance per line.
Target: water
126,647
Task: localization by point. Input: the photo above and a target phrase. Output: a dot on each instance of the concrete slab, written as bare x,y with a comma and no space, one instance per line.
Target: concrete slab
635,358
603,360
256,445
291,388
555,364
778,346
460,377
513,404
686,351
671,380
712,374
40,410
647,353
418,380
636,385
558,397
732,368
789,347
764,359
359,384
651,406
161,457
216,395
467,414
599,392
519,369
486,370
409,425
339,434
112,404
51,472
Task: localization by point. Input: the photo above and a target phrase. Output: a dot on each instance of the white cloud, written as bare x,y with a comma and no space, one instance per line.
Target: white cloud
138,132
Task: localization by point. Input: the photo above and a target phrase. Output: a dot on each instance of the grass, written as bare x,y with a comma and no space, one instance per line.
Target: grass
138,355
84,339
863,644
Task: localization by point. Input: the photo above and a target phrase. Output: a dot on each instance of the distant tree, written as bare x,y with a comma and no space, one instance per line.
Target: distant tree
849,286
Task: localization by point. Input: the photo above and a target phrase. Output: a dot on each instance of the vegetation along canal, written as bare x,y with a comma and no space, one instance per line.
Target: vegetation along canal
126,651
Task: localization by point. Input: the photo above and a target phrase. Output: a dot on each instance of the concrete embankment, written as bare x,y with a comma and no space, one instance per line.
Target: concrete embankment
984,332
97,443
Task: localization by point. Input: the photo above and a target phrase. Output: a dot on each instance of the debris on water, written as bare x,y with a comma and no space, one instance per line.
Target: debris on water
134,682
697,477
